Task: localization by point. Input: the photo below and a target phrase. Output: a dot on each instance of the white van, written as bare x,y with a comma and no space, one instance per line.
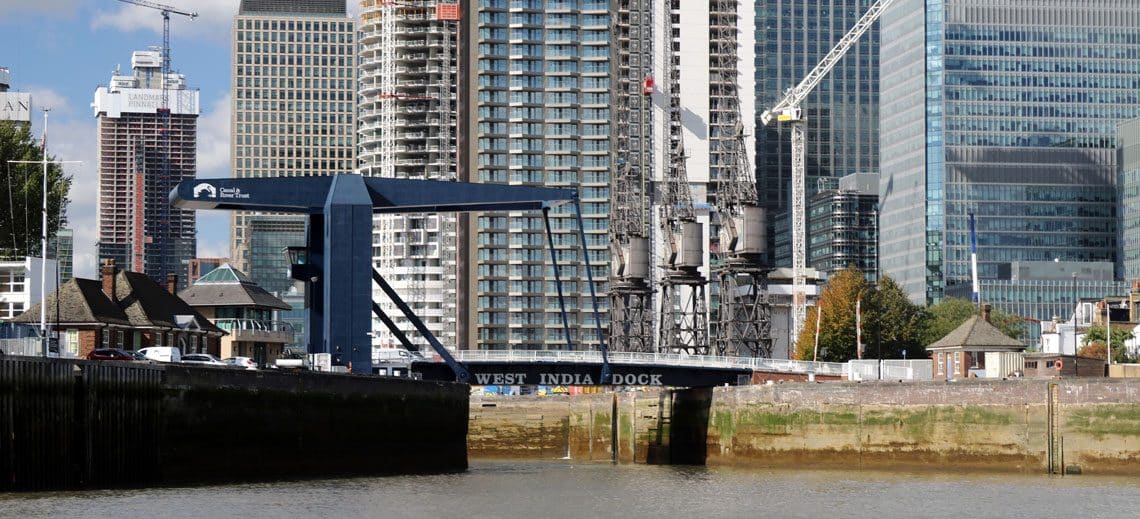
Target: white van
162,353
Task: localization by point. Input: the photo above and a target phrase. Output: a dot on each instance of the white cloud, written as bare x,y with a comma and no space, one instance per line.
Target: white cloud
215,17
71,139
44,97
214,140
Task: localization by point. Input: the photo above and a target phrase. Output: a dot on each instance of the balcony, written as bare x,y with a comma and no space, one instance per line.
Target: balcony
252,330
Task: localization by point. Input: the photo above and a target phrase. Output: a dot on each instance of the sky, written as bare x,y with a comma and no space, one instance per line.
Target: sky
62,50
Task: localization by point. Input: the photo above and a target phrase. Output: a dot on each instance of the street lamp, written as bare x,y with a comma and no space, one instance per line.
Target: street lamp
1076,306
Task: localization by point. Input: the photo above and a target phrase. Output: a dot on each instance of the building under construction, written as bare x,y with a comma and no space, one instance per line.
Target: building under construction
137,226
407,101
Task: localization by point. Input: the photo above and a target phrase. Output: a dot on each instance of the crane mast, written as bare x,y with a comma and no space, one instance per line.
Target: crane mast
683,311
631,318
743,318
788,110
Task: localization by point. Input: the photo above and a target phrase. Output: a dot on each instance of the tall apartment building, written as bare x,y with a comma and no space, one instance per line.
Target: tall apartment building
1007,110
840,116
408,56
137,168
540,81
535,100
294,101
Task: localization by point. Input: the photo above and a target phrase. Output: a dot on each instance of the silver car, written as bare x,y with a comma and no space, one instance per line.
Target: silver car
202,359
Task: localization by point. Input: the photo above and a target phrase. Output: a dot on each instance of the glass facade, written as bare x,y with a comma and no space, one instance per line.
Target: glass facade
540,111
841,115
269,236
1019,105
1129,207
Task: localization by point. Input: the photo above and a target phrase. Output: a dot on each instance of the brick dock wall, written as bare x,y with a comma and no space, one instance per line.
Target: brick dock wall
1028,426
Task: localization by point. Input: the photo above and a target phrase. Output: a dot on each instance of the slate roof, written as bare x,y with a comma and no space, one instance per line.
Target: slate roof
977,334
81,302
227,286
139,302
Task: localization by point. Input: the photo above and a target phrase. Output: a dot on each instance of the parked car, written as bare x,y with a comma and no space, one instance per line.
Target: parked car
241,362
162,353
202,358
110,354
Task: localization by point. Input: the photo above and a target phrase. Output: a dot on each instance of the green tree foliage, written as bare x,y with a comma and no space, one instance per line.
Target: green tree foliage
837,330
21,192
892,323
1095,343
944,317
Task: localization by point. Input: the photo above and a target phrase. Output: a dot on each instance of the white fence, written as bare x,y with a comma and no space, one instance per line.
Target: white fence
890,369
670,359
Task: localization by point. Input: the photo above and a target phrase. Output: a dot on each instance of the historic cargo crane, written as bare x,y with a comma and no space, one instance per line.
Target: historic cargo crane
683,322
631,314
788,110
743,320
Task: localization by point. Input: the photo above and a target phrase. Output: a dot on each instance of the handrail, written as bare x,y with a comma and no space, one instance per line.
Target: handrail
673,359
254,325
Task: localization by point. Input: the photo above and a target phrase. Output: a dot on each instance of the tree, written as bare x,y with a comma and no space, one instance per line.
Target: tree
837,331
944,317
898,324
1095,343
21,192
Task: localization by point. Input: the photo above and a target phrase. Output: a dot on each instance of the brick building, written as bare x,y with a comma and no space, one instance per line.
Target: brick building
125,310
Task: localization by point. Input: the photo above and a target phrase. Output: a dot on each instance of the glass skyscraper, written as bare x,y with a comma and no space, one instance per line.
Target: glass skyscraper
1008,111
1128,144
841,114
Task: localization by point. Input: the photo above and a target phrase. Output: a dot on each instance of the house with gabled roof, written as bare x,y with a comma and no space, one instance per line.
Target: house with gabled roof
234,303
125,310
976,348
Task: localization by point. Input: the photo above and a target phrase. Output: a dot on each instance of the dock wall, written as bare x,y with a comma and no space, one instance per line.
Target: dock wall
80,424
1030,426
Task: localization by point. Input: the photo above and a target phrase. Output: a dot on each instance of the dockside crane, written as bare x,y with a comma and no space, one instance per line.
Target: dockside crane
788,110
743,319
631,306
164,183
683,318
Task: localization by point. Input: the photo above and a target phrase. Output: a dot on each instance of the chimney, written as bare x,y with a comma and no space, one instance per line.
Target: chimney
172,283
986,312
109,278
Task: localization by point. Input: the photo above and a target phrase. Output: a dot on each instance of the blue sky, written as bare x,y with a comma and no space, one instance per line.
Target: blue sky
62,50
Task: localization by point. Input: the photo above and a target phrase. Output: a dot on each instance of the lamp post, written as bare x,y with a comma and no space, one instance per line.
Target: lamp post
1076,306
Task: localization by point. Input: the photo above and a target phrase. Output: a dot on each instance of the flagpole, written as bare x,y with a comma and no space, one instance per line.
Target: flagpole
43,246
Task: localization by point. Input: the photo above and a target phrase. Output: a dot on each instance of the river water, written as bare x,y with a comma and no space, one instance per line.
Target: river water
566,489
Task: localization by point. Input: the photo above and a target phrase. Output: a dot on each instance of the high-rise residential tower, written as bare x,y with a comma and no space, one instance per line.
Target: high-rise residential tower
542,85
840,115
137,226
294,101
408,58
1009,111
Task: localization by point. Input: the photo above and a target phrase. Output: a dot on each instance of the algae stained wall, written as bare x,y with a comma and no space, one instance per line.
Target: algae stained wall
1026,426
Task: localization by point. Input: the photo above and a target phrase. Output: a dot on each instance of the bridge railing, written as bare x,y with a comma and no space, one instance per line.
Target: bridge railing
672,359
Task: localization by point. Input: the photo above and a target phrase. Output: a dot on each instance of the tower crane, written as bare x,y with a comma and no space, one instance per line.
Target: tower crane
631,317
164,183
743,320
683,311
788,110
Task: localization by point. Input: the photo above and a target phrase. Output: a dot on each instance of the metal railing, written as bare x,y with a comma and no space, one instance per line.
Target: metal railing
255,327
670,359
